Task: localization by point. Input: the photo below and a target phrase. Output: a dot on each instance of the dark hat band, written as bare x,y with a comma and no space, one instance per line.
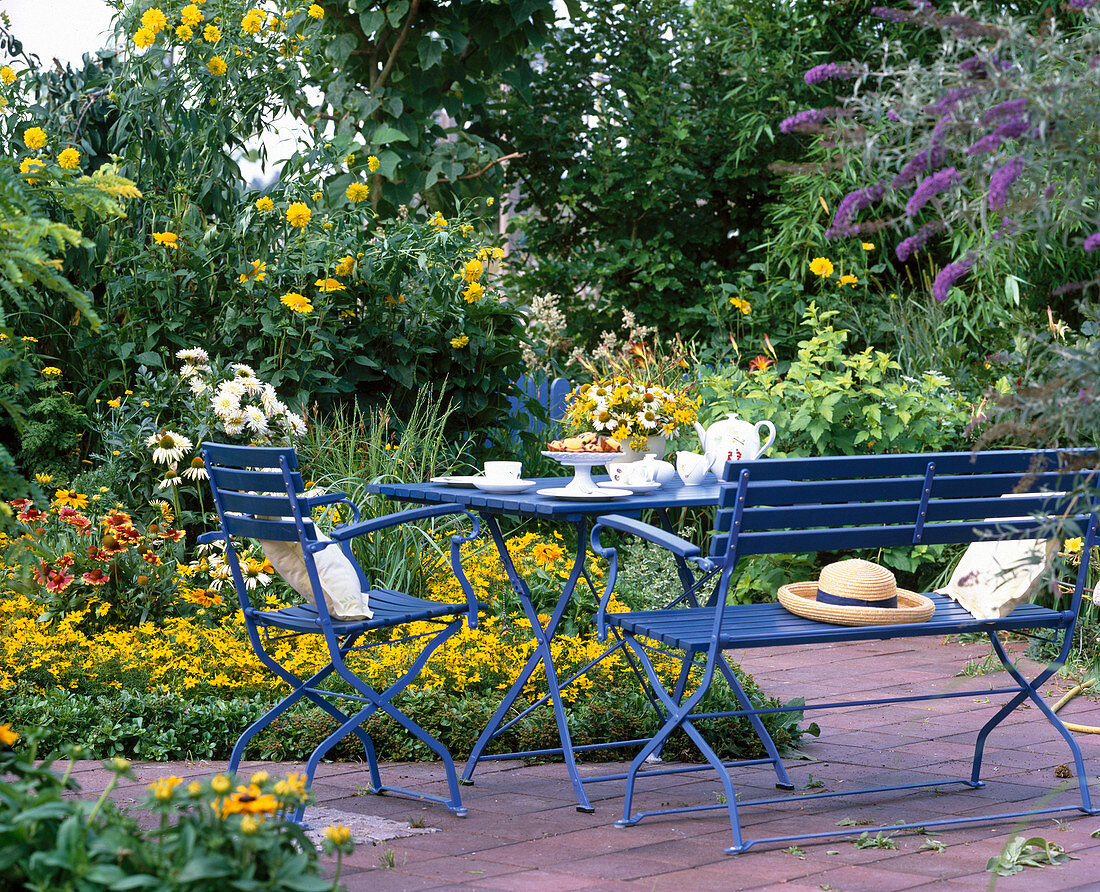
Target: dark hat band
844,601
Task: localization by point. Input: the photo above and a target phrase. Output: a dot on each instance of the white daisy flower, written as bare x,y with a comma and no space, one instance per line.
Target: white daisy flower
647,419
252,385
196,470
234,428
256,419
233,388
170,447
271,402
193,355
171,478
242,371
226,405
198,385
295,424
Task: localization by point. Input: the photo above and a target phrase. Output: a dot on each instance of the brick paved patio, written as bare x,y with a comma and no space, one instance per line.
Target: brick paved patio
523,831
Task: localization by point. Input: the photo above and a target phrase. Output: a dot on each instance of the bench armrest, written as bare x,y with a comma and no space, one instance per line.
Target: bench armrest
332,498
662,538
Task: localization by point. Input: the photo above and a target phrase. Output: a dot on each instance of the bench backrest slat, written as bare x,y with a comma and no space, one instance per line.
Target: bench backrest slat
1014,461
847,502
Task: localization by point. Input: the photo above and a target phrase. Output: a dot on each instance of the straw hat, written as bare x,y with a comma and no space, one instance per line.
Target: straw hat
855,593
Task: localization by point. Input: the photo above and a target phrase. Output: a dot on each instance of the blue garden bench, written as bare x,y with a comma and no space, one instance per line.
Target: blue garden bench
837,504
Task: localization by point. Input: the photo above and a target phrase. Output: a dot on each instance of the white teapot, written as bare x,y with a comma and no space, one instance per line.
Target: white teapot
733,440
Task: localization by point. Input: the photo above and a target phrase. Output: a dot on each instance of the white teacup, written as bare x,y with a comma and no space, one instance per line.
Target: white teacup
503,470
692,467
632,473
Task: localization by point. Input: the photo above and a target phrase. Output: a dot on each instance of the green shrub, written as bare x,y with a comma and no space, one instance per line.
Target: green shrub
828,401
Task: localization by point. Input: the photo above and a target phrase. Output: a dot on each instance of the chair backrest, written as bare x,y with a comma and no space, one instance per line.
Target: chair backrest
254,482
830,503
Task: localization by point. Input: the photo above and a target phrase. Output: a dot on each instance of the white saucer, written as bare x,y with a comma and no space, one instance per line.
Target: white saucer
455,481
574,495
633,487
501,487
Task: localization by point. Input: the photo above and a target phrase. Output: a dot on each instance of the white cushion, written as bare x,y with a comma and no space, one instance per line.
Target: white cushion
340,585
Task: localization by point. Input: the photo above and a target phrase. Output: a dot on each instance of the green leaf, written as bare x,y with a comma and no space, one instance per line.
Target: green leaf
205,867
384,134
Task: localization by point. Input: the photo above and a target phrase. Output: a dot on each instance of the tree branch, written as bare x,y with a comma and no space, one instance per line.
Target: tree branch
414,9
487,167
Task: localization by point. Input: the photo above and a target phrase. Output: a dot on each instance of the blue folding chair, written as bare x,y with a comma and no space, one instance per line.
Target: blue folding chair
258,492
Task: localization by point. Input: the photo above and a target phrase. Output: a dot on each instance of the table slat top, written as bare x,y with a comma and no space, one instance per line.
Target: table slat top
671,495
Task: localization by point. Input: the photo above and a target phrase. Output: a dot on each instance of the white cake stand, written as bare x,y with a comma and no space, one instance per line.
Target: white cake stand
582,464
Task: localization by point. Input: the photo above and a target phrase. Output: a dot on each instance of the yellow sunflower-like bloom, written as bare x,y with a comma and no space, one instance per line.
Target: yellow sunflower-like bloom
51,371
184,33
257,274
211,34
191,15
253,22
471,272
299,303
163,787
326,285
7,735
154,20
298,214
69,159
316,12
372,163
216,66
166,239
7,75
460,342
821,266
438,221
345,265
356,192
473,293
144,38
337,834
264,204
848,280
29,165
868,246
34,137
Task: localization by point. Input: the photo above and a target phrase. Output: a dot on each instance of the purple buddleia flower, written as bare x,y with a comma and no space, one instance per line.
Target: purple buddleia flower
829,71
892,15
929,188
1048,192
949,275
922,161
1007,227
1010,108
1092,242
1012,129
1068,287
1082,4
949,100
842,224
1003,177
811,117
908,247
988,143
892,115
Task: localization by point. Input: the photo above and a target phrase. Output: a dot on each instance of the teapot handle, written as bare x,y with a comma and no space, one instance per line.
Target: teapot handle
771,436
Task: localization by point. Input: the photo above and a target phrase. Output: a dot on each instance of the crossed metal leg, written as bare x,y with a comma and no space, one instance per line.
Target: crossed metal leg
375,701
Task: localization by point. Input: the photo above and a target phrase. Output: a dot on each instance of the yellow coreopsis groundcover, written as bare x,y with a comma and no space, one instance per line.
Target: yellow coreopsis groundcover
185,684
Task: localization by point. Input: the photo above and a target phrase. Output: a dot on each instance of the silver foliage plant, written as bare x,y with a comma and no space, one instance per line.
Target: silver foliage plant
995,140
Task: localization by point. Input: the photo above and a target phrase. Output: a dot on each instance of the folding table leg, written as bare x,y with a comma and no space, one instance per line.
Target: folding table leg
543,637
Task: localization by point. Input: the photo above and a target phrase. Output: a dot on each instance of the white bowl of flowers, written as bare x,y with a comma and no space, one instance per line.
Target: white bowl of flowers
640,416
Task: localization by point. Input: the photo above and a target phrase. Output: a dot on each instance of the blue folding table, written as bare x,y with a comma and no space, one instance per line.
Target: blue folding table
530,504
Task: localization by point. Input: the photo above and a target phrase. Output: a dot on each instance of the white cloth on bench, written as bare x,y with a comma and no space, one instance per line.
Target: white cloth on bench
994,577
